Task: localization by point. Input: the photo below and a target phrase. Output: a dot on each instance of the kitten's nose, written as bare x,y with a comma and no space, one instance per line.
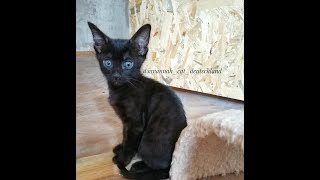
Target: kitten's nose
116,76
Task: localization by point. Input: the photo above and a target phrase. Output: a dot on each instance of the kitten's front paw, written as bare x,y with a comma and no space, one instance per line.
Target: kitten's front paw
122,158
117,149
115,159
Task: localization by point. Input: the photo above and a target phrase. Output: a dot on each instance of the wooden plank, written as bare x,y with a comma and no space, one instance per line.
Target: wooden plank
85,53
195,35
97,167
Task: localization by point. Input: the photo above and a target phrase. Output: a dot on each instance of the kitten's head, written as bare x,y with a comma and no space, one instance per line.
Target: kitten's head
121,59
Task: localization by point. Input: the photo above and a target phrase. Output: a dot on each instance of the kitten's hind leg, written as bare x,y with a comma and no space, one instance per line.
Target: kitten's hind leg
140,167
142,171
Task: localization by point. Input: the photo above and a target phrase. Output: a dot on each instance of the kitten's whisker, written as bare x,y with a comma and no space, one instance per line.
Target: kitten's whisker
136,81
132,84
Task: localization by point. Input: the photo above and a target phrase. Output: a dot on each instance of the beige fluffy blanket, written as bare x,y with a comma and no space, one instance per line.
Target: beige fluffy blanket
211,145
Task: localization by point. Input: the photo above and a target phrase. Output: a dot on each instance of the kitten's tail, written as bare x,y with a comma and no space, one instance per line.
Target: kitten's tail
150,175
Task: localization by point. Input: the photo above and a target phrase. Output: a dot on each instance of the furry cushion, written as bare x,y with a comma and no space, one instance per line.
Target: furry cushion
210,145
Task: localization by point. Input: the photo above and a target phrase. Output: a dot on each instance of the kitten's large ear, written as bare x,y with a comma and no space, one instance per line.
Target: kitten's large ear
140,40
99,38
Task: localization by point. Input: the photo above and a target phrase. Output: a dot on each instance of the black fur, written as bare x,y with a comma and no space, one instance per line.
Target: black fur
151,113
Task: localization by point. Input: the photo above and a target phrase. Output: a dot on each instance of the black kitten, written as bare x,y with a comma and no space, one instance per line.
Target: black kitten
151,114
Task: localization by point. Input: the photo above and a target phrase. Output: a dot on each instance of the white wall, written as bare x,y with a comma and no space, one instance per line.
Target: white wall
111,16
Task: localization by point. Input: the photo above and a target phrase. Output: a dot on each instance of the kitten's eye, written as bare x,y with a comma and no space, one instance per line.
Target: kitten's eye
127,65
107,63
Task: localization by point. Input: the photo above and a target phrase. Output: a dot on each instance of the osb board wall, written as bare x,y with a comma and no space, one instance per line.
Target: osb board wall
195,44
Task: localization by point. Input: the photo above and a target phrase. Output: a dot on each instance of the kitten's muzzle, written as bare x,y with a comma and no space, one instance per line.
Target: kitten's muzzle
116,77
